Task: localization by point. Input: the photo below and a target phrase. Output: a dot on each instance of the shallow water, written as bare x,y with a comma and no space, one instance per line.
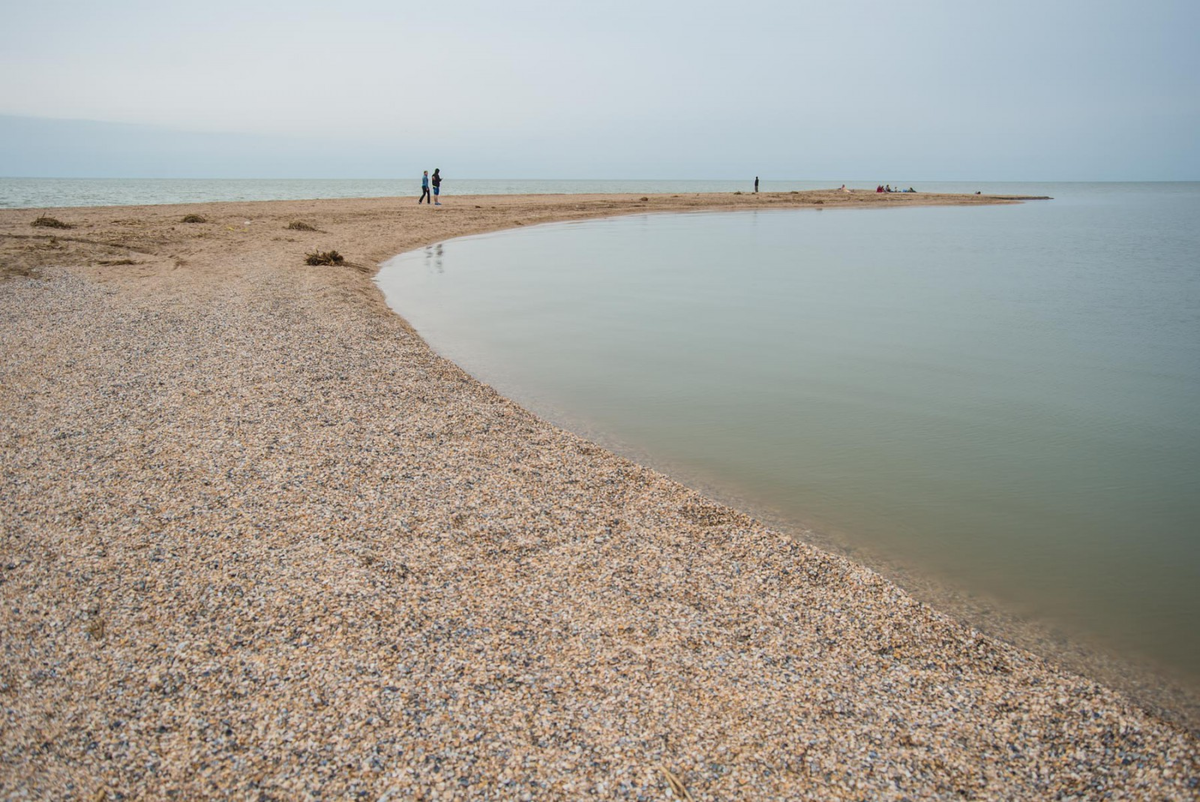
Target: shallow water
1005,396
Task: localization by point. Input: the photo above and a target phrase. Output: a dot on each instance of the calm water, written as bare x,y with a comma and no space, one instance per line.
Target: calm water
51,192
1007,396
55,192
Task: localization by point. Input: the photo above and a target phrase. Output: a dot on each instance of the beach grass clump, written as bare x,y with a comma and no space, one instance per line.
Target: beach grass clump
324,258
194,218
45,221
300,225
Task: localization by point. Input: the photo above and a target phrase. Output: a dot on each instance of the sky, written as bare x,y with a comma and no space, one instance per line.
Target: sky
836,89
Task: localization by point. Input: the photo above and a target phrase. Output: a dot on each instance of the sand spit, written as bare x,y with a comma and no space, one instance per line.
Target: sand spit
257,541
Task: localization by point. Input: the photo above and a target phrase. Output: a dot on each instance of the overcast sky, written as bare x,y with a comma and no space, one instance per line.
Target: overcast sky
835,89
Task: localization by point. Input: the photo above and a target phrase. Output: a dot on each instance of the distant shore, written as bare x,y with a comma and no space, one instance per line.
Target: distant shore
32,193
259,539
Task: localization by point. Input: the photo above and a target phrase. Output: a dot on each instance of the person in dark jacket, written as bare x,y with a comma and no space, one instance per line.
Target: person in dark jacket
437,185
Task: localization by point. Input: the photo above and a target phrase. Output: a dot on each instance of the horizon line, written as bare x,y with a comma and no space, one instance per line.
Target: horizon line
631,180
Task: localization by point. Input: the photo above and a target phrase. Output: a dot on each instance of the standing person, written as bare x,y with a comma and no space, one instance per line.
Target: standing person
755,185
437,185
424,189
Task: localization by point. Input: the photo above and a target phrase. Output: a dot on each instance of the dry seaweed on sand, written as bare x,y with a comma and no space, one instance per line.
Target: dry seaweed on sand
677,786
45,221
13,270
300,225
324,258
194,218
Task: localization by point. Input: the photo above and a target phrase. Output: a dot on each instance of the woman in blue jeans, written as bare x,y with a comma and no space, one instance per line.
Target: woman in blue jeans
424,188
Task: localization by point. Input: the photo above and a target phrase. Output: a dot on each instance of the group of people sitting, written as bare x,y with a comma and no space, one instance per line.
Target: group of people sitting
888,188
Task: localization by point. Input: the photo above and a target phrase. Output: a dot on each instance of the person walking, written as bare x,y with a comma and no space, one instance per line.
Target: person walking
424,188
755,185
437,185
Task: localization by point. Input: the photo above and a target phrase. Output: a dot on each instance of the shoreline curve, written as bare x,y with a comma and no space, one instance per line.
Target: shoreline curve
259,538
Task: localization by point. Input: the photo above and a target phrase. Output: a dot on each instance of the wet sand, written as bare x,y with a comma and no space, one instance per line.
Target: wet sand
258,541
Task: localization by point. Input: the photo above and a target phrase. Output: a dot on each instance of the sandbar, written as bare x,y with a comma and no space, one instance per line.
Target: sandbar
257,540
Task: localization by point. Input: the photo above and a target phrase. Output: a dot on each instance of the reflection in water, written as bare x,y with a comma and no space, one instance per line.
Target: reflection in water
433,257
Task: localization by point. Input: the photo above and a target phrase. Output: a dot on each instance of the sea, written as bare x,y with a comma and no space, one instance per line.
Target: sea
1003,399
32,193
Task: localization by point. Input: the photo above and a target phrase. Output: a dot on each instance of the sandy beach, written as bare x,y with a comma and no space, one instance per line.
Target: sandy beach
258,541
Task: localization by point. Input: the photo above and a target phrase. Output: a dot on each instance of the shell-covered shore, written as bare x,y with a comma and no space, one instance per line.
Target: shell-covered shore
258,541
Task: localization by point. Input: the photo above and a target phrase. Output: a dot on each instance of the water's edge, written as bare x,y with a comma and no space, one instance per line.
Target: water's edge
1153,687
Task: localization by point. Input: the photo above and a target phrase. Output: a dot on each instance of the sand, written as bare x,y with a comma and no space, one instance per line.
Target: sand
258,541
